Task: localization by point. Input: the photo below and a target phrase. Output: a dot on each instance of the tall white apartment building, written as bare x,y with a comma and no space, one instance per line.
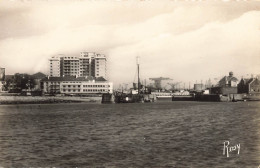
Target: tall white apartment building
54,63
87,64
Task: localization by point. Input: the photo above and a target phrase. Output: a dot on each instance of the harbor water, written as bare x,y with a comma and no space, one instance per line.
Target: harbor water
161,134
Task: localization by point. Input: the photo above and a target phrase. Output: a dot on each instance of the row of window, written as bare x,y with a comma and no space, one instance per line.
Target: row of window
71,69
70,85
57,83
96,85
95,90
85,90
86,86
71,82
53,83
71,90
70,57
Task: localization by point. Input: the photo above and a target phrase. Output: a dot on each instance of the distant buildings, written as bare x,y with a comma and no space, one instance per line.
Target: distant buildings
230,81
87,64
226,85
76,85
18,83
84,74
72,75
199,87
249,86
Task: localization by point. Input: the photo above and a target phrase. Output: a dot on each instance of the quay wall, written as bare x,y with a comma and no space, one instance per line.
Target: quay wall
45,99
219,98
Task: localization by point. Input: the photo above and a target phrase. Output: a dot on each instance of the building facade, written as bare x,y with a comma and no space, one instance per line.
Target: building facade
76,85
84,64
69,66
224,90
249,86
100,68
230,81
227,85
87,64
54,66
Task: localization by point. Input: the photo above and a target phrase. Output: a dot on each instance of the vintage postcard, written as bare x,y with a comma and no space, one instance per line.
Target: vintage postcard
130,83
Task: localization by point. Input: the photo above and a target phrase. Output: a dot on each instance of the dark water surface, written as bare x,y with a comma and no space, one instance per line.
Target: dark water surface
162,134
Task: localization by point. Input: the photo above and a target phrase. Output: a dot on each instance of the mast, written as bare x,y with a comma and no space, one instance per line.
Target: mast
138,84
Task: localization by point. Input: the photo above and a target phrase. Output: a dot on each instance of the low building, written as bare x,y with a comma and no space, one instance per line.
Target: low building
76,85
224,90
249,86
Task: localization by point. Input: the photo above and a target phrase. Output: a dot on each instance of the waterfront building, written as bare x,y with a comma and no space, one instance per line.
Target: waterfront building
76,85
249,86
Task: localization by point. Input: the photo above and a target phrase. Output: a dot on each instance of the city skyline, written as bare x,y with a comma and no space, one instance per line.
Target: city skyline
186,41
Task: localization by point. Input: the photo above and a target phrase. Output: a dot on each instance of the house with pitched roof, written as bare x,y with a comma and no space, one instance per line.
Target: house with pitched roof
230,81
226,85
249,86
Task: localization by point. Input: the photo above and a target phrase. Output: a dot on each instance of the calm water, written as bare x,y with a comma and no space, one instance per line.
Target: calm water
162,134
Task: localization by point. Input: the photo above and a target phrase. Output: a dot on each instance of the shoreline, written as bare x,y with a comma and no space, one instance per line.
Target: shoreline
5,100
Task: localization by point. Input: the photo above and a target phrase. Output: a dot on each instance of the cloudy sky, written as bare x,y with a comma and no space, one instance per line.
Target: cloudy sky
186,41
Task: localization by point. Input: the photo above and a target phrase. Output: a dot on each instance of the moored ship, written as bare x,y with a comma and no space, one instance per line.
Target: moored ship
135,96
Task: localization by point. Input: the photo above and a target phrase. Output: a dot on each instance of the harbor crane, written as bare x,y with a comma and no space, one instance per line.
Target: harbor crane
158,82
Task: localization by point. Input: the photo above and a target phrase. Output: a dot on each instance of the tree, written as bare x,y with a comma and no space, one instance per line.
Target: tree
23,81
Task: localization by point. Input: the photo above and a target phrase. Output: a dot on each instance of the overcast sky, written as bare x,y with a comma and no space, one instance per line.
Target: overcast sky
186,41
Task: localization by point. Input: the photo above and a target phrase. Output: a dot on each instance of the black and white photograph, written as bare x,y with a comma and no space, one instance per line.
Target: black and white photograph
129,84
